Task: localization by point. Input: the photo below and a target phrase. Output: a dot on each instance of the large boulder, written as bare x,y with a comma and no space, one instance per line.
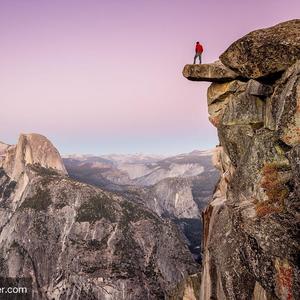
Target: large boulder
265,51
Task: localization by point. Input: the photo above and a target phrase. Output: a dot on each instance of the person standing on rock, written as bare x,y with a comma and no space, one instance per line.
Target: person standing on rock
198,50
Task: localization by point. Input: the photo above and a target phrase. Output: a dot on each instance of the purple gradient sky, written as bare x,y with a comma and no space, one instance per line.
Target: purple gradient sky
105,76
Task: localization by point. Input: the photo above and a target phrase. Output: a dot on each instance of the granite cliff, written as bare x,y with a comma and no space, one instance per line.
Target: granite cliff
76,241
251,227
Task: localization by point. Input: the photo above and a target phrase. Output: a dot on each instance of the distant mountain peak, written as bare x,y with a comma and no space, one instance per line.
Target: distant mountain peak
31,149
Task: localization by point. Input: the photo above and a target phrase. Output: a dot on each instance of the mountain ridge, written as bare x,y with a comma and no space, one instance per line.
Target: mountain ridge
76,240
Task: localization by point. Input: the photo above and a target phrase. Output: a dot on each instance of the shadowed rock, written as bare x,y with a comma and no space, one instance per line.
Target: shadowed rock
265,51
283,108
255,88
215,72
219,91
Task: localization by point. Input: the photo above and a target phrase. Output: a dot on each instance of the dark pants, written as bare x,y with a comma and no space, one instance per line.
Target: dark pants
197,55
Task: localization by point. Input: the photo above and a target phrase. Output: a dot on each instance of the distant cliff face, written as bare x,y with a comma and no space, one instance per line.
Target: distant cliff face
31,149
251,228
76,241
176,188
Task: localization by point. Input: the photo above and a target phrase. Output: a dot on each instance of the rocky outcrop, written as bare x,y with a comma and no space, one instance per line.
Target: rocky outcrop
265,52
251,233
215,72
76,241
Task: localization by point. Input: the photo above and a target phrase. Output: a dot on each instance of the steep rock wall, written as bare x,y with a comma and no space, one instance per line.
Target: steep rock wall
251,227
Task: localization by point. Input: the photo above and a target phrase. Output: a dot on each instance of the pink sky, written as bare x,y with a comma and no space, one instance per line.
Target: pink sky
105,76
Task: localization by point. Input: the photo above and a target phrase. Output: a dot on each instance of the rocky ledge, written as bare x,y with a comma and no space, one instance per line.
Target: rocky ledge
251,227
215,72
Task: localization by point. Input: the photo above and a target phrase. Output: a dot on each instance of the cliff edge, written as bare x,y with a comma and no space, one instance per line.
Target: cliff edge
251,227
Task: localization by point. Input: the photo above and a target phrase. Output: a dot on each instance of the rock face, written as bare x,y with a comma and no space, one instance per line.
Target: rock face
76,241
265,52
251,227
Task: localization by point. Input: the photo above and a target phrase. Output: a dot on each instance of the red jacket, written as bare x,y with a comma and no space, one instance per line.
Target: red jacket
199,48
